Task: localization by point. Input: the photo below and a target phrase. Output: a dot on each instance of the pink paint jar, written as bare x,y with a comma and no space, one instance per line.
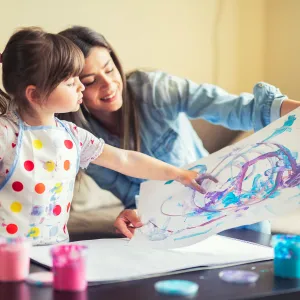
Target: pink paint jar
14,259
69,267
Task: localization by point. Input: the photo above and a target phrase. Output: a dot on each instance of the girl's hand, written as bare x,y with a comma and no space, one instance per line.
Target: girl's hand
127,221
194,180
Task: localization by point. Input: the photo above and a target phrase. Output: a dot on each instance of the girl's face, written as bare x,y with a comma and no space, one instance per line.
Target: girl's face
66,97
102,81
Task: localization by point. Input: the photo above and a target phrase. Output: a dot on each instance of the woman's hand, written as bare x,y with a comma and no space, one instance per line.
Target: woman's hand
194,180
127,221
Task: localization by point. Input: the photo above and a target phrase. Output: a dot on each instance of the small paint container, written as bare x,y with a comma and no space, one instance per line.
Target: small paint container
286,255
177,287
69,267
14,259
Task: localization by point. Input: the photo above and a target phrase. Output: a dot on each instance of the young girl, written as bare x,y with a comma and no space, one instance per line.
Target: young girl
39,154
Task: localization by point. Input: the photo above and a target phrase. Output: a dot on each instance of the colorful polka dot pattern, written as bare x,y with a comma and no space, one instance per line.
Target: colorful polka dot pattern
68,144
17,186
34,232
49,166
40,188
58,188
11,228
16,207
67,165
28,165
37,144
57,210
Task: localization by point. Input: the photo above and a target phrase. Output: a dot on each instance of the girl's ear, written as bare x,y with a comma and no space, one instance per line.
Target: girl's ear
32,94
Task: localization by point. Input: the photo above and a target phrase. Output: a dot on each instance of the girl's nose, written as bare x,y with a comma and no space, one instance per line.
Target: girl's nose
81,87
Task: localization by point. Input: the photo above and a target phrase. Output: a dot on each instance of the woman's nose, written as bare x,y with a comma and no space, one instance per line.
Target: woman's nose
105,81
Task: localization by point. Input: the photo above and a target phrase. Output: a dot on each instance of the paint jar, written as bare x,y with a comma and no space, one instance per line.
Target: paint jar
69,267
286,255
14,259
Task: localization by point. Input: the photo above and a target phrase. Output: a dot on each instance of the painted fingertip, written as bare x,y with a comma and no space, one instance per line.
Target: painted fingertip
202,191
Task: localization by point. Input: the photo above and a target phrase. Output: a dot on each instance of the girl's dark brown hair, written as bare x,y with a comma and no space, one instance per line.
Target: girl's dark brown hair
86,39
34,57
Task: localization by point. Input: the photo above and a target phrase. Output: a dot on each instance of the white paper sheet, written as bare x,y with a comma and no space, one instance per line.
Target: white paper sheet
259,178
110,260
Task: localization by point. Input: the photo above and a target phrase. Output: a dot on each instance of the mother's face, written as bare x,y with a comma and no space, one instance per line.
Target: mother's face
102,81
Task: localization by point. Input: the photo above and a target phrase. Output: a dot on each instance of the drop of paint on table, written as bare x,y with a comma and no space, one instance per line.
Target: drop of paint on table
239,276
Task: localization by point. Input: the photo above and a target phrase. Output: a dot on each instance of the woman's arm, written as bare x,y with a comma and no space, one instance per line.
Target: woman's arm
172,95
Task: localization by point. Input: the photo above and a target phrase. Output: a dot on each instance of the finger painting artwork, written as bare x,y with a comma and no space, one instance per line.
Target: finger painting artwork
257,179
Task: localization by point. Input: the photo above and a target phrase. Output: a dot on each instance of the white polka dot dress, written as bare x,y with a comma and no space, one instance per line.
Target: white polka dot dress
37,192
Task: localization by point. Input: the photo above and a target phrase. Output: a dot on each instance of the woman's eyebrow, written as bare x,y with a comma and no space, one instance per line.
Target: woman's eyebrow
87,75
106,63
93,74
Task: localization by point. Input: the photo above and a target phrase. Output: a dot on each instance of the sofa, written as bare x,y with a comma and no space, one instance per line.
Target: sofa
94,210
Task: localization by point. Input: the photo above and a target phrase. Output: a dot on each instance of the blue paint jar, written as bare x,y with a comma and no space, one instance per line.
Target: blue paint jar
286,255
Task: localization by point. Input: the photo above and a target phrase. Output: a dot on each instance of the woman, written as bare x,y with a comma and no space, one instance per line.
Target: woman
150,112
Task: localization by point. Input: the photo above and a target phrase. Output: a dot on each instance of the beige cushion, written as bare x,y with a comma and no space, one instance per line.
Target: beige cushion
100,220
89,196
93,209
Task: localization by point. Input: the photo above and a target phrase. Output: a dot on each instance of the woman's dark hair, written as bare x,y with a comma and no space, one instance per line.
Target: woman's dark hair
86,39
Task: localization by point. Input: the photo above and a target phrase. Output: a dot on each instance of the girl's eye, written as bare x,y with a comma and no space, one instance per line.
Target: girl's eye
71,84
110,71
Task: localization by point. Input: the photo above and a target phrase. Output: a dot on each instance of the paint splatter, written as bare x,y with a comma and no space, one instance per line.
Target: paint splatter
243,187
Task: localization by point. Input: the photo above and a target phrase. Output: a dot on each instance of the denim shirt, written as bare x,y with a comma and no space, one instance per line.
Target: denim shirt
166,103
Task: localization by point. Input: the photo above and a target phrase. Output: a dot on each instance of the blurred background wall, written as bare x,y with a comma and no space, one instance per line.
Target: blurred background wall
231,43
